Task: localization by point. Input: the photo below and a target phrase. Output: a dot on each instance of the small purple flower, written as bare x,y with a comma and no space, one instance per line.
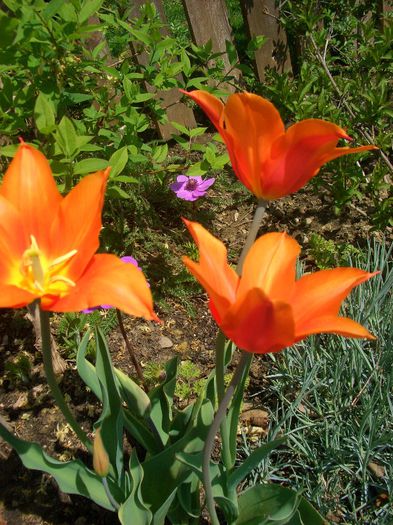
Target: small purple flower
191,188
127,259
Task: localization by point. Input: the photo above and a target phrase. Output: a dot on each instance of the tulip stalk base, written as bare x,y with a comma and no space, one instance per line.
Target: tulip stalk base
244,363
52,382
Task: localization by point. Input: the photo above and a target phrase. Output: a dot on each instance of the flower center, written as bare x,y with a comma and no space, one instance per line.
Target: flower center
191,185
43,276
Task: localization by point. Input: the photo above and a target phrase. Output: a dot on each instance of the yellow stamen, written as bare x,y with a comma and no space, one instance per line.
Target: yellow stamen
32,256
63,279
63,258
40,272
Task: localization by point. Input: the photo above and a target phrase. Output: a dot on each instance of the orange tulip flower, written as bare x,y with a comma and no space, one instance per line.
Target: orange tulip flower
266,309
268,160
48,244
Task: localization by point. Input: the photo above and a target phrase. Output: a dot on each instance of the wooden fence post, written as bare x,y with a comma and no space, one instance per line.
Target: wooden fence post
170,99
208,20
261,18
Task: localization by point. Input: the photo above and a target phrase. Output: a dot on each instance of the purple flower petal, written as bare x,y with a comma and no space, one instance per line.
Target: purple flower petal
206,184
182,178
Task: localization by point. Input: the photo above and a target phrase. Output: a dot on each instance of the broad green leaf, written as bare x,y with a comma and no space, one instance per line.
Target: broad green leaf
160,153
9,151
196,169
89,7
222,493
89,166
118,161
86,370
133,511
140,432
232,419
66,137
136,398
126,178
116,192
8,29
73,477
275,505
111,420
154,491
76,98
161,399
52,8
44,114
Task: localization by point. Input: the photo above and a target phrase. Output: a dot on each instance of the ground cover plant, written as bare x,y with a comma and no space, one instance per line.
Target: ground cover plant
144,402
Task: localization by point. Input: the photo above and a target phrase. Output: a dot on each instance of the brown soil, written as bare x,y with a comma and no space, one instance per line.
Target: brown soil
28,497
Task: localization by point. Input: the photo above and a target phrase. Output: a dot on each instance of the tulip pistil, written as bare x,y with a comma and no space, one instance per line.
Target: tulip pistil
40,272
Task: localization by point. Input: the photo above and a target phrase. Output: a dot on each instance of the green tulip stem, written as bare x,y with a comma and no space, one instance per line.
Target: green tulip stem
253,232
220,379
111,499
244,362
52,382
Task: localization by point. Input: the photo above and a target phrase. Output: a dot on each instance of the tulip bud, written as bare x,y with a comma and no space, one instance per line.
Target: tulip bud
100,456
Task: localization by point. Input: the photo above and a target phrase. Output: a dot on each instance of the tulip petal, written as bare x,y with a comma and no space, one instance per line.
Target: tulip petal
77,224
256,324
210,104
13,241
212,271
251,124
298,155
107,280
14,297
29,185
321,294
271,266
333,325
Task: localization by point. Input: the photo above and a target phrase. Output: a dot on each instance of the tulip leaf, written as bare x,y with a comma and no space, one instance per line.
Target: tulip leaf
136,398
87,370
140,432
161,399
133,511
232,419
253,461
275,505
153,489
111,419
44,114
73,477
223,494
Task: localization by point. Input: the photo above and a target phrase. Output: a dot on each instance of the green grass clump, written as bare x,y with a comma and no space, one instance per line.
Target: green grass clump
332,398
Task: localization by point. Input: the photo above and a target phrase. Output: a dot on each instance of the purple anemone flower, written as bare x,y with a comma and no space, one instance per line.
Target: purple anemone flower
127,259
191,188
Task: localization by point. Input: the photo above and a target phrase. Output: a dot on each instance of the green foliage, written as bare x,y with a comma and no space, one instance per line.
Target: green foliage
62,90
344,39
328,254
18,370
190,382
71,327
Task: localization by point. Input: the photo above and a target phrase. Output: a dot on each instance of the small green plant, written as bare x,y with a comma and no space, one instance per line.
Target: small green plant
189,382
328,254
18,370
72,327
